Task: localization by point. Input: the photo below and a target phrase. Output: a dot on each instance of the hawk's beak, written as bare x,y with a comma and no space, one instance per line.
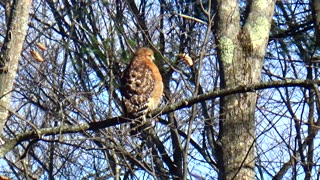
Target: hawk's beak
152,58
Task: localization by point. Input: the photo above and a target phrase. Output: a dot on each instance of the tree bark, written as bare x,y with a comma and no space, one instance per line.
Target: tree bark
241,51
315,6
10,53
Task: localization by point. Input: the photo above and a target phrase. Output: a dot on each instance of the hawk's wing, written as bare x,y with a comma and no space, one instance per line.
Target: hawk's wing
138,85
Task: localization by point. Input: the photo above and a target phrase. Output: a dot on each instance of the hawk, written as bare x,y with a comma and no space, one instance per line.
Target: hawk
142,86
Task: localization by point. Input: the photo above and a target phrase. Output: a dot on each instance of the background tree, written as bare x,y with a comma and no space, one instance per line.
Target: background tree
240,50
15,25
247,108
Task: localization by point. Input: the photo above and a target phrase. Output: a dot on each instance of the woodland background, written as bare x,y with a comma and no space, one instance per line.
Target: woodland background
247,109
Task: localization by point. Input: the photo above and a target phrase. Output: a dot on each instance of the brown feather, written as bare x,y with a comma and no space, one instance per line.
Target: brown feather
142,84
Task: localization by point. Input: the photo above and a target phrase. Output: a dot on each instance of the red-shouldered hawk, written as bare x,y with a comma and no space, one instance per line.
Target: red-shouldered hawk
142,86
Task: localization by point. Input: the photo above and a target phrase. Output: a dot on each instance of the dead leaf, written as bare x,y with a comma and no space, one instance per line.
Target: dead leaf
36,56
4,178
186,58
41,46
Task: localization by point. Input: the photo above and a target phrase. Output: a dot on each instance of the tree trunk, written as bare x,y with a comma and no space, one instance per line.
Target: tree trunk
241,51
10,53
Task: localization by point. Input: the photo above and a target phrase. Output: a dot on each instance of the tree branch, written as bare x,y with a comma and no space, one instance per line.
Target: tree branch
93,126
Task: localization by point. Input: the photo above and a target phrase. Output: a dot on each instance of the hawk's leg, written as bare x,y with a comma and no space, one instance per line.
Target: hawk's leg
138,125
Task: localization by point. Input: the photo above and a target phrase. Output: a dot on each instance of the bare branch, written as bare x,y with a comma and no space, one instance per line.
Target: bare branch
93,126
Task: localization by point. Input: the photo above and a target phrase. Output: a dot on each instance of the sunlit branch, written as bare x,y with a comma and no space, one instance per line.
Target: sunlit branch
93,126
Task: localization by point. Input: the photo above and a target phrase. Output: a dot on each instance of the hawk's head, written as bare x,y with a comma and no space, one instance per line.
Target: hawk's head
145,52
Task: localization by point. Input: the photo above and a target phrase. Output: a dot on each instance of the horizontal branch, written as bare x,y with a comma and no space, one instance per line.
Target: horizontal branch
93,126
234,90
